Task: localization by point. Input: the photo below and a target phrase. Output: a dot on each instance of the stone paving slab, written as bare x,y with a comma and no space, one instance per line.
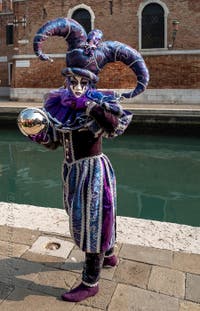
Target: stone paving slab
22,299
193,287
12,249
18,272
186,262
131,298
75,260
84,308
146,279
167,281
47,245
53,281
145,254
189,306
103,298
133,273
5,291
18,235
46,260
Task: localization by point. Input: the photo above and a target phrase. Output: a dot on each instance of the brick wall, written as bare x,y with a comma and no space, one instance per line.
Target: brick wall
121,25
174,71
167,71
40,74
5,50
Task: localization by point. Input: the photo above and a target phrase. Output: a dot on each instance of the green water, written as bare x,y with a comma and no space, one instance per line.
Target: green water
157,176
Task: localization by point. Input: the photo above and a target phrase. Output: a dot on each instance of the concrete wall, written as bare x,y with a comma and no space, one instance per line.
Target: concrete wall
150,96
4,92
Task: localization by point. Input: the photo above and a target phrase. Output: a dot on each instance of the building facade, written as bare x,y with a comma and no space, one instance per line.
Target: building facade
166,33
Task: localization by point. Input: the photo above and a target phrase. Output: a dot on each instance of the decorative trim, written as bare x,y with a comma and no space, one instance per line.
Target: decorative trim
100,220
88,206
143,52
23,63
158,52
83,220
90,105
24,41
32,56
89,284
6,13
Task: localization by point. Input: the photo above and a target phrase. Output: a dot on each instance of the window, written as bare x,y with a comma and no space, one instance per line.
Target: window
152,18
11,5
83,17
9,34
10,68
152,26
8,5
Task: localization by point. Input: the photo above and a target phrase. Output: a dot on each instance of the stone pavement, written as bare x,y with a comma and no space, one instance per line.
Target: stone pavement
36,267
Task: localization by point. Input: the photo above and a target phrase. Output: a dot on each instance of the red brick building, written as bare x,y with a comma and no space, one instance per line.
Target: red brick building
173,57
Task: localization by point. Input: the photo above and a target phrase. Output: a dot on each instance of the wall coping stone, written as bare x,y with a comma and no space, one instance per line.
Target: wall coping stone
135,231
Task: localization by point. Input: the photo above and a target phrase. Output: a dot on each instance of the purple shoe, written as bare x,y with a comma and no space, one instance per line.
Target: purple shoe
110,261
80,293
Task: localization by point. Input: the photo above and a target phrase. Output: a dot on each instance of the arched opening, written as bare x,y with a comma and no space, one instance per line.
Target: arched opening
153,26
83,17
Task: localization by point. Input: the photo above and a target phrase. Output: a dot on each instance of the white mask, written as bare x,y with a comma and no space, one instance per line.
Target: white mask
78,85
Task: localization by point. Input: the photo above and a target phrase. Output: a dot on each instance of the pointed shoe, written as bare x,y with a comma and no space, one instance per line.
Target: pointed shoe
110,261
80,293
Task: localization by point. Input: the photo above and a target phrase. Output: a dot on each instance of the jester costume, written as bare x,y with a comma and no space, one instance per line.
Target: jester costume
79,117
89,196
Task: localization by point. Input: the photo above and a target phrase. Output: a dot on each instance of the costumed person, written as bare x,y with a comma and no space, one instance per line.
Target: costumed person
79,116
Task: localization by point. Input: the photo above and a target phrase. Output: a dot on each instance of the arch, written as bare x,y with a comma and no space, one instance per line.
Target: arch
140,12
85,8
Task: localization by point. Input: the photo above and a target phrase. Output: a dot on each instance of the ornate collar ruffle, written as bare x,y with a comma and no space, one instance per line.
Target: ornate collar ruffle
65,111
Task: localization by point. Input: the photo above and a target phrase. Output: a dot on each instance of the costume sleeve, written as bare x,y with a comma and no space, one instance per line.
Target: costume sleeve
109,115
49,139
105,119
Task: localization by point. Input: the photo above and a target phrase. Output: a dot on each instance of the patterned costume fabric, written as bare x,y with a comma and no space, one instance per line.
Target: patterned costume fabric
90,201
89,185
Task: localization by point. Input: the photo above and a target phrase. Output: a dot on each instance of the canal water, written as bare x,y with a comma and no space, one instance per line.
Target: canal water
158,176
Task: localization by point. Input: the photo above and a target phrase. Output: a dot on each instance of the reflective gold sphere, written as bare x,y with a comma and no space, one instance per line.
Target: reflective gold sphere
32,121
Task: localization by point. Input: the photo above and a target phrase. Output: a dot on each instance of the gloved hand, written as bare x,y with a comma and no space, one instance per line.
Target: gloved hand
107,102
39,138
99,97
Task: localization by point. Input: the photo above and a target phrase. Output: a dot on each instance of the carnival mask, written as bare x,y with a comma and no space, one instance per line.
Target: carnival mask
78,85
